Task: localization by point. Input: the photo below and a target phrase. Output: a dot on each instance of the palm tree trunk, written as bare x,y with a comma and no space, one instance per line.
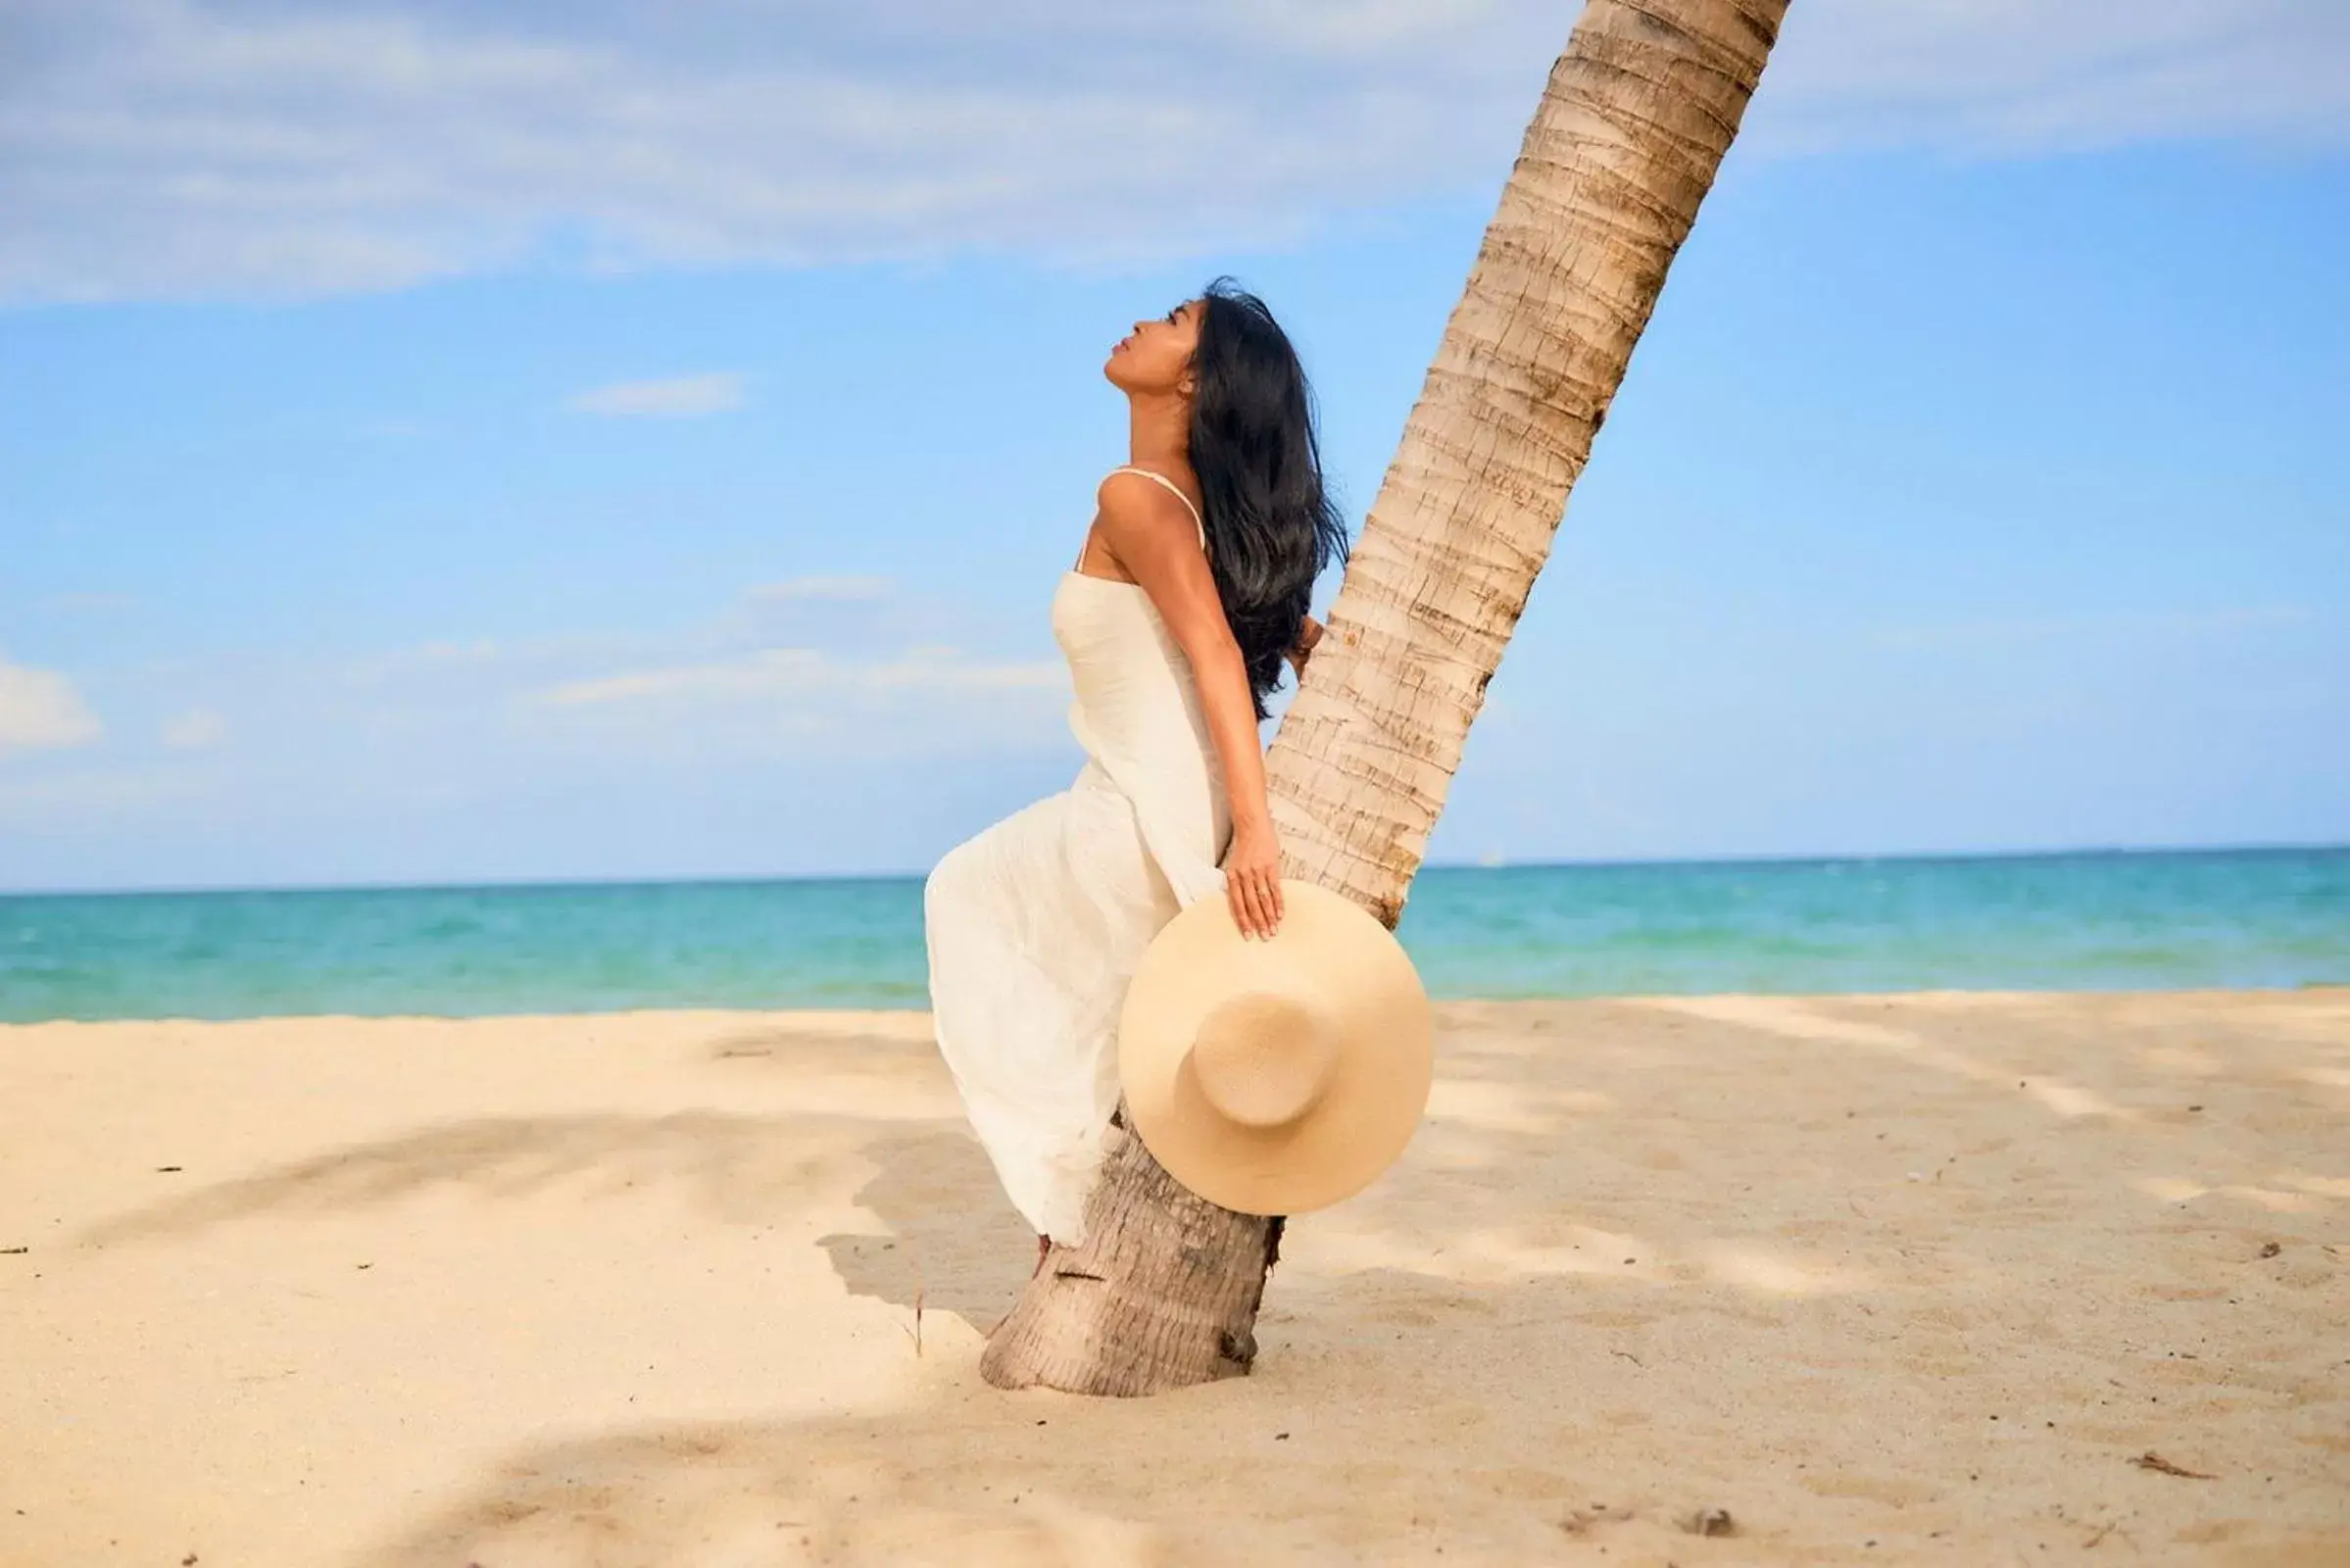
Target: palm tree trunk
1631,129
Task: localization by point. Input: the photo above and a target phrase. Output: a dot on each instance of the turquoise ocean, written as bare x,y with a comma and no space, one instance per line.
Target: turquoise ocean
2092,921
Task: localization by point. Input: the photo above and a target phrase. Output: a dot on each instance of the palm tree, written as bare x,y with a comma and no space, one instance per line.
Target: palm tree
1631,126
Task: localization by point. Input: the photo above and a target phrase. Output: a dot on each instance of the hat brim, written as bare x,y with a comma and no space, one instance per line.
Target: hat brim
1328,947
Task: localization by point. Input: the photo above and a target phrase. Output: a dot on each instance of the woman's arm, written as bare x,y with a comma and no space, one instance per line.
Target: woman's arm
1152,537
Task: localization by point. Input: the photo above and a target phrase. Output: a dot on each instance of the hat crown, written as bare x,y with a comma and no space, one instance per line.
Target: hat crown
1262,1058
1276,1077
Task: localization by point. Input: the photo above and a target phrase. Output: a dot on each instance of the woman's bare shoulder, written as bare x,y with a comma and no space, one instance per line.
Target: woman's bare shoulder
1135,492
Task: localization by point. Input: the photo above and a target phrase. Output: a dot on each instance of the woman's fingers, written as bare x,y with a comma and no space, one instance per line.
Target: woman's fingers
1248,901
1265,898
1252,889
1304,649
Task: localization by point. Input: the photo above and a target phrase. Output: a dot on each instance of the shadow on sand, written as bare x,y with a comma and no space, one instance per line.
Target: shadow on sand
1570,1319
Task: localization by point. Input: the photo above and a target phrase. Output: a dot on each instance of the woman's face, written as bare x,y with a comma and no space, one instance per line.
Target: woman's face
1156,356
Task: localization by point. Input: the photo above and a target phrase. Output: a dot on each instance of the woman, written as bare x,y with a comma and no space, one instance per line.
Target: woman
1189,590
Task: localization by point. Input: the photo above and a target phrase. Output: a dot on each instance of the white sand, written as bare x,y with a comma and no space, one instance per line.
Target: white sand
1906,1279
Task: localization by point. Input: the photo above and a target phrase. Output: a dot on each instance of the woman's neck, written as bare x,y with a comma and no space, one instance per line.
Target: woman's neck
1158,432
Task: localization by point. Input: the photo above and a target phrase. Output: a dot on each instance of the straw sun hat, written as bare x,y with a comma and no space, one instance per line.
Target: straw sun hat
1276,1077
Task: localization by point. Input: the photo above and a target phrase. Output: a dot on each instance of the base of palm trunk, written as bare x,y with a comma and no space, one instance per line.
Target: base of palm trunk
1162,1295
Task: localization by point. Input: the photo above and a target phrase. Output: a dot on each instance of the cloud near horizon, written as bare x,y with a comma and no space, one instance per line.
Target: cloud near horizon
195,730
2094,627
181,149
850,658
671,397
42,710
839,588
803,672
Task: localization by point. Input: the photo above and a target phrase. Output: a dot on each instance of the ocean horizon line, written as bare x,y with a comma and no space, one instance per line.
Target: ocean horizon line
2077,919
837,878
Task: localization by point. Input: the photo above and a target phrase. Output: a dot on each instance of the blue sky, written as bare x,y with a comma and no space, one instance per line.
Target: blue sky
642,443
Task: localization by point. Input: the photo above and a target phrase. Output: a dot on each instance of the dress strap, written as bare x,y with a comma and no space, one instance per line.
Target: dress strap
1176,491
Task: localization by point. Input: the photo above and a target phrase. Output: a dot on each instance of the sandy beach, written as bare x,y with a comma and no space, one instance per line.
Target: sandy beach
1953,1278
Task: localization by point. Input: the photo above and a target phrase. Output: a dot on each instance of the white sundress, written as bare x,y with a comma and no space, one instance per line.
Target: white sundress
1035,924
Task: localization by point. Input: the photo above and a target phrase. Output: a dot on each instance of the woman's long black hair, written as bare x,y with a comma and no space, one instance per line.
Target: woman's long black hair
1271,528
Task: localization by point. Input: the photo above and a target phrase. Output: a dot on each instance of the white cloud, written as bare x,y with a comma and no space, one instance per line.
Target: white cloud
849,656
417,660
791,672
2094,626
2030,76
715,392
174,147
843,589
197,729
795,708
40,711
92,603
845,691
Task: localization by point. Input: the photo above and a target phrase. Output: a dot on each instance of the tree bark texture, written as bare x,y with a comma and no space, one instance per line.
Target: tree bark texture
1632,128
1162,1295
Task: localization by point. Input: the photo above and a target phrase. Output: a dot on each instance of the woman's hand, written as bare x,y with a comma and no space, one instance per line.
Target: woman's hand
1308,635
1252,878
